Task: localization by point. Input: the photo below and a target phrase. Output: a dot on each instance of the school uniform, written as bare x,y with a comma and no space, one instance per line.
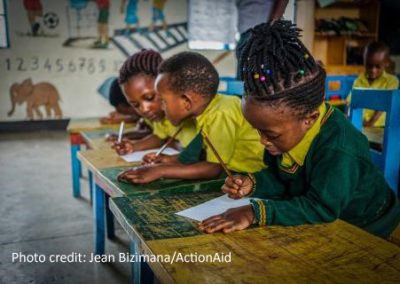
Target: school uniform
328,175
385,81
164,129
235,140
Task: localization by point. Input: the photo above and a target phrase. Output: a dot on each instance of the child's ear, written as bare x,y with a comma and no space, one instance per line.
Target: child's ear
311,118
187,101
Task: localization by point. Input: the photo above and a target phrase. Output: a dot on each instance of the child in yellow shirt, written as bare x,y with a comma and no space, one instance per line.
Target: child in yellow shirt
137,77
187,84
376,59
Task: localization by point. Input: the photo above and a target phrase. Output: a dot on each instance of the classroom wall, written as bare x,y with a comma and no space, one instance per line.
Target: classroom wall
61,55
77,70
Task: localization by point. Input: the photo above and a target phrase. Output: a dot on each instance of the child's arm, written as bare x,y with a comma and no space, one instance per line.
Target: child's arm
328,194
201,170
127,146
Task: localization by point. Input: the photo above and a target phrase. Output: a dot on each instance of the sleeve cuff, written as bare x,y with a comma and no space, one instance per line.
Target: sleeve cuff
260,211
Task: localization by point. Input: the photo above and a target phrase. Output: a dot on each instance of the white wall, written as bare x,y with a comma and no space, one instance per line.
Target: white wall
41,58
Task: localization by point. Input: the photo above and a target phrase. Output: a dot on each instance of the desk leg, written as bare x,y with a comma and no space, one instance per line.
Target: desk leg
109,220
76,168
99,214
91,187
140,271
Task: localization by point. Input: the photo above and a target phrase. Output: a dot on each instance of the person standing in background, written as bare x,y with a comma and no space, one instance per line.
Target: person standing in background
252,13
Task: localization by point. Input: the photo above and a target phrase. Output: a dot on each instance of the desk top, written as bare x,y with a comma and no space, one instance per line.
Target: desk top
96,139
327,253
76,125
337,252
107,178
96,160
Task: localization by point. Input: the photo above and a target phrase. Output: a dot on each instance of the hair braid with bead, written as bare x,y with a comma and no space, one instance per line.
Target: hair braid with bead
278,69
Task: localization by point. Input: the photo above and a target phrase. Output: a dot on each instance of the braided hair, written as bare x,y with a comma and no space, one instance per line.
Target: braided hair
145,62
278,69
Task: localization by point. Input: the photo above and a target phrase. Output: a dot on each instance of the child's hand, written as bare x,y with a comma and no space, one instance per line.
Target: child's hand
111,137
141,175
233,219
123,148
151,158
237,186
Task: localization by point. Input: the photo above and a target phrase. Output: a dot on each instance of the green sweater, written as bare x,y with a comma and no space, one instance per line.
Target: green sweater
337,180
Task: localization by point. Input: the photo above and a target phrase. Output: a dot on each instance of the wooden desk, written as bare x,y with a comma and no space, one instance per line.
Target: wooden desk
335,253
96,139
104,166
75,126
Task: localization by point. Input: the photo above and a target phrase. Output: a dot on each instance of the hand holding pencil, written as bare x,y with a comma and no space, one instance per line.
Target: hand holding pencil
158,157
236,186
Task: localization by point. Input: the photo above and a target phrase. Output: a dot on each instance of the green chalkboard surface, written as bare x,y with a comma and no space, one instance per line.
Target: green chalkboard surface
163,186
153,216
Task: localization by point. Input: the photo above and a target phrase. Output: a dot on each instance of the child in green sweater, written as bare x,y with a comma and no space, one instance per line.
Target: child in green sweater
319,165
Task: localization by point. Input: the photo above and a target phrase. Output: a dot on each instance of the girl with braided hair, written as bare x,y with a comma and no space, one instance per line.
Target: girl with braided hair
319,165
137,76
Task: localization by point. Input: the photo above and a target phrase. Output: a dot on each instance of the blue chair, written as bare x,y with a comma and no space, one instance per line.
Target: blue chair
232,86
344,82
388,161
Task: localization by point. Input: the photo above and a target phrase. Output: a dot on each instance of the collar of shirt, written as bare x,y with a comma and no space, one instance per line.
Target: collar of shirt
203,116
299,152
379,82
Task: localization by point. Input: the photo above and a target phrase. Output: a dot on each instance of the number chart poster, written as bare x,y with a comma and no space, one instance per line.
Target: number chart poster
62,51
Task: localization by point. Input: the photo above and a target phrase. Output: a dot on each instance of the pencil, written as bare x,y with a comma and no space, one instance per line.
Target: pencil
121,131
227,171
169,141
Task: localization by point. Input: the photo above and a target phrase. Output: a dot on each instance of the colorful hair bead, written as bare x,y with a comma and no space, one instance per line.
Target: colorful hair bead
268,72
301,72
262,66
306,56
256,76
262,79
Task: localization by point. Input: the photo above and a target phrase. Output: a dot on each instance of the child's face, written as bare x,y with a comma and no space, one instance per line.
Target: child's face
375,64
279,129
176,106
140,93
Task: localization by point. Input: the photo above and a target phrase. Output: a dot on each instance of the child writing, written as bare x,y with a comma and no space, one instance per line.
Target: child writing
376,60
187,83
137,76
319,165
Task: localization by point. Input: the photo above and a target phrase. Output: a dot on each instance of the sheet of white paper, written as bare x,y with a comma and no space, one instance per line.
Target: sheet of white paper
213,207
138,155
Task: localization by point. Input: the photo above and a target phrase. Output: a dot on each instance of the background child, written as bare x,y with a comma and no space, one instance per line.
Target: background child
187,84
137,76
319,165
376,60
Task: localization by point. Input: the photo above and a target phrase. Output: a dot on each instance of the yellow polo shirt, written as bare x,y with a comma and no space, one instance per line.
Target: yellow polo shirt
385,81
235,140
164,129
299,152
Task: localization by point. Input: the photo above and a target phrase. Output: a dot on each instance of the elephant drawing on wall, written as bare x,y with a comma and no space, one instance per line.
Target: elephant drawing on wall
35,95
